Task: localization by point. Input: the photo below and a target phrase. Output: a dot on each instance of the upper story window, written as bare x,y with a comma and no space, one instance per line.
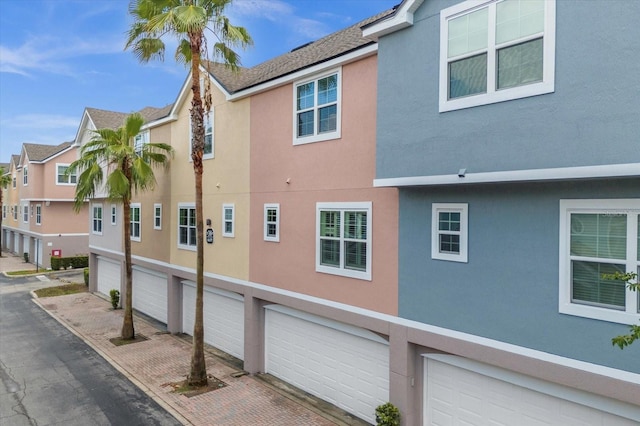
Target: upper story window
157,216
187,226
317,109
96,219
15,212
135,222
113,214
449,231
208,121
496,51
228,220
25,176
13,182
272,222
343,238
4,211
38,214
61,175
140,140
25,213
599,238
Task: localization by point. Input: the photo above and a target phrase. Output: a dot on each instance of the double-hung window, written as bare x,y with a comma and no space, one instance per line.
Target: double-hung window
343,235
25,176
207,122
25,213
272,222
317,109
114,213
61,175
140,140
157,216
599,238
135,222
187,226
13,182
15,212
4,211
496,51
449,231
96,219
228,220
38,214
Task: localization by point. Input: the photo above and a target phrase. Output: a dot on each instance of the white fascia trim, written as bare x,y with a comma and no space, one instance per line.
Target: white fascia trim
106,250
560,173
621,375
402,18
69,200
298,75
78,234
598,402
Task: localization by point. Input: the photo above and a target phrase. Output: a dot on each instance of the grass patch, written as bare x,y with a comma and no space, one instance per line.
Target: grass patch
119,341
27,272
62,290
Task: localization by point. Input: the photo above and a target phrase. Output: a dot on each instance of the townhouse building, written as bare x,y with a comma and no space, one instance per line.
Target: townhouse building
515,148
38,203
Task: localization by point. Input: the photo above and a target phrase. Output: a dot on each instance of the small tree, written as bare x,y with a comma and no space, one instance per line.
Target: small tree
129,169
626,339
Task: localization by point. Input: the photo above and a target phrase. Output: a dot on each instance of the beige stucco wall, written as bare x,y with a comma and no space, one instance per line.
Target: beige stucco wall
340,170
225,180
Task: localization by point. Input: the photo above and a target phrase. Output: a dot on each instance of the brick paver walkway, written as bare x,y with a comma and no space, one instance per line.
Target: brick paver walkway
165,358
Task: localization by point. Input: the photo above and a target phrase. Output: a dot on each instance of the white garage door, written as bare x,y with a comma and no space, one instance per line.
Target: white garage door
463,392
108,275
223,318
25,245
344,365
16,243
150,293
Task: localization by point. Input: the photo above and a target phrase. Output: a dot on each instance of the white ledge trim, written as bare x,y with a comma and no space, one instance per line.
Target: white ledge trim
560,173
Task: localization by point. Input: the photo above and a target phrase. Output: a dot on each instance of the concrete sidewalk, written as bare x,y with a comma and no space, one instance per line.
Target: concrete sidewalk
162,360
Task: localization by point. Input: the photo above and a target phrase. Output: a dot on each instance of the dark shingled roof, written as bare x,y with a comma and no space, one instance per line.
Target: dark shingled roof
104,119
37,152
15,159
327,48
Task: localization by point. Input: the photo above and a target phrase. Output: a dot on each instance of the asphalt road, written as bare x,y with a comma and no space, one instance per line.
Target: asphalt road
51,377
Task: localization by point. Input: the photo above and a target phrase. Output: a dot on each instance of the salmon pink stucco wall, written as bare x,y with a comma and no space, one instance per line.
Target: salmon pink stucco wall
339,170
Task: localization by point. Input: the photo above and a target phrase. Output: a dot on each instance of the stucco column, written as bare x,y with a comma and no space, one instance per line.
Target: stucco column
253,333
174,304
403,391
93,272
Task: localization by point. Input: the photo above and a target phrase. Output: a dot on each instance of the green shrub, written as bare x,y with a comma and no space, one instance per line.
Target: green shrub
115,298
58,263
86,276
387,415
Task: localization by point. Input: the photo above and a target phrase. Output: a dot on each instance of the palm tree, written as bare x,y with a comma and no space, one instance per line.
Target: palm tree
129,169
187,20
5,180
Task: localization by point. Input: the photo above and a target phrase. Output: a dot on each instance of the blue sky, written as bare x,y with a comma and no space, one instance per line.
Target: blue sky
59,56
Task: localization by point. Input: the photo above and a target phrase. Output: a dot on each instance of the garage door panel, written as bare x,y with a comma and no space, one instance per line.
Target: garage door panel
341,367
223,319
108,275
460,396
150,293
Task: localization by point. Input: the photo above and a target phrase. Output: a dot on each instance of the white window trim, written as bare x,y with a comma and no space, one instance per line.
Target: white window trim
38,214
140,140
93,219
13,181
15,212
463,209
157,216
276,207
135,206
68,182
366,206
25,213
213,135
4,211
184,246
629,206
547,85
114,214
25,176
233,220
322,136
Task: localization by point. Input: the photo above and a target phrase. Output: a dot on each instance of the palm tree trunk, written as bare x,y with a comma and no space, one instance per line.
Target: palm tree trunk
128,331
198,373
